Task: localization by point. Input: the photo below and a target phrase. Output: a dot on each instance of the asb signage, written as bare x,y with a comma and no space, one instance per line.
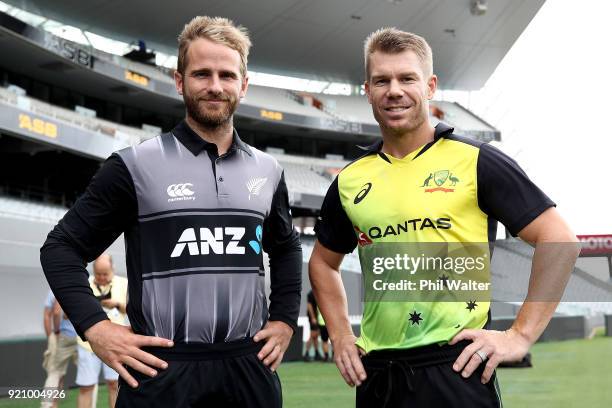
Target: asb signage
595,245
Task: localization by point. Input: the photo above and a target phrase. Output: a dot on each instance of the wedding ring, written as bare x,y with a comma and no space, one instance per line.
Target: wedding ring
483,356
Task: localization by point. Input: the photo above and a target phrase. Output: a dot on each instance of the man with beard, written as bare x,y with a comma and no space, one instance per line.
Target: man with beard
197,207
423,188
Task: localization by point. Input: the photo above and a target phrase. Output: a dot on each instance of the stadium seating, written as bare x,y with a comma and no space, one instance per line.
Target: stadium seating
282,100
352,108
29,210
511,268
308,174
129,134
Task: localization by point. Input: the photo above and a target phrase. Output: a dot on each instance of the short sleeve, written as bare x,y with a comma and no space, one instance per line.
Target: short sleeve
506,193
333,227
49,300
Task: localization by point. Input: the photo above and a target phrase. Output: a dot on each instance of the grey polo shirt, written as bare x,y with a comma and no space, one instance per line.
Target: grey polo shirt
195,226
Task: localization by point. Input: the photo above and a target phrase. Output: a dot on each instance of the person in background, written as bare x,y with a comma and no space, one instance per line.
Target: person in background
313,339
324,336
61,346
111,291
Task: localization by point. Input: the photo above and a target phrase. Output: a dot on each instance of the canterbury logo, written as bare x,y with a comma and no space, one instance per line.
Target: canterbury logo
255,185
180,190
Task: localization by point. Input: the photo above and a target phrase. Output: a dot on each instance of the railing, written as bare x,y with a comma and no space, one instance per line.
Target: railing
129,134
156,72
295,96
36,194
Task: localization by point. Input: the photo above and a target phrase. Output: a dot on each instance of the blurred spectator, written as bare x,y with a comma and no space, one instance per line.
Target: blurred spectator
111,291
61,346
324,336
313,339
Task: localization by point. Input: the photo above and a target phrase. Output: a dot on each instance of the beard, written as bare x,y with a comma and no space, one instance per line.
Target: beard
209,119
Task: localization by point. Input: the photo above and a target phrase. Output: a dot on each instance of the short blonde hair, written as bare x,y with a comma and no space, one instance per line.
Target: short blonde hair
393,41
219,30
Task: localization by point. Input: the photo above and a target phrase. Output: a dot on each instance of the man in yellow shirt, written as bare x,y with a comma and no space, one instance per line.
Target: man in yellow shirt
424,188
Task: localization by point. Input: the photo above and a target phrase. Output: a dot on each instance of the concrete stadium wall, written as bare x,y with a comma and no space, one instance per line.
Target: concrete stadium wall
559,328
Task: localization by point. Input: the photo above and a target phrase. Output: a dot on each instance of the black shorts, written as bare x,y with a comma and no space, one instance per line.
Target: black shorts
324,333
423,377
228,381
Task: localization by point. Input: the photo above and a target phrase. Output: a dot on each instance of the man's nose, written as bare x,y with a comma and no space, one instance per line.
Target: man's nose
395,90
214,85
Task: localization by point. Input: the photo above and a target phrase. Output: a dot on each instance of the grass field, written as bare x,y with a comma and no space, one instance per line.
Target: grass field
565,375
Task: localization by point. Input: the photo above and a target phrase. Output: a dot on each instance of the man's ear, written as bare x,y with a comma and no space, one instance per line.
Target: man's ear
178,82
244,86
432,86
366,86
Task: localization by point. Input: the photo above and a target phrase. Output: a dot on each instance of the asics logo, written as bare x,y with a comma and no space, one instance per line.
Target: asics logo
180,190
362,193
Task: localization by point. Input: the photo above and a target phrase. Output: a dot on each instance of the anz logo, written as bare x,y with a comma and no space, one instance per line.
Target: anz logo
213,241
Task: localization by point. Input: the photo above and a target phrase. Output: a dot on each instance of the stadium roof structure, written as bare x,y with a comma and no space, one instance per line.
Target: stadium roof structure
319,39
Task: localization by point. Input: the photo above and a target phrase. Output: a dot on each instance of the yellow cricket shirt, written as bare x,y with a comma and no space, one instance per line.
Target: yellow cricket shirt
452,190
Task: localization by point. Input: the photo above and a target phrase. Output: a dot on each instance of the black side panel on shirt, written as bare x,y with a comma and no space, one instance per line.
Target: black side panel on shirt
282,243
506,193
334,228
106,209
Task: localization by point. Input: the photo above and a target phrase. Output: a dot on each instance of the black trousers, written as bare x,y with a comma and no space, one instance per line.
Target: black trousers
229,382
423,377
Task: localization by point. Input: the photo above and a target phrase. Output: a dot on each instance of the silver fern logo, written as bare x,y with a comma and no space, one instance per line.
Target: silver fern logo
255,185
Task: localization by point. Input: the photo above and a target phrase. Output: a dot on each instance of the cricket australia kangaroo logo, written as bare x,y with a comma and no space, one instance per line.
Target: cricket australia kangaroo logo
255,185
443,179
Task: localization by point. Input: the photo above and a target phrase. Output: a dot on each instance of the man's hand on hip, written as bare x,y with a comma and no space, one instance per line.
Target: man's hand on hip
277,336
491,346
117,345
347,357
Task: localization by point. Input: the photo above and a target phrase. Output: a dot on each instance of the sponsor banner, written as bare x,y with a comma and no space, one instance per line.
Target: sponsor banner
67,49
42,128
328,124
595,245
